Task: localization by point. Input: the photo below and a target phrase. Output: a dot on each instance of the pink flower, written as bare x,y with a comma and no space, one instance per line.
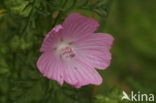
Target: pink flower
72,52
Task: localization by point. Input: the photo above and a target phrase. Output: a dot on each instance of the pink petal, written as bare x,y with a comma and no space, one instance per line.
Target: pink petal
78,74
51,38
57,28
51,67
76,25
94,50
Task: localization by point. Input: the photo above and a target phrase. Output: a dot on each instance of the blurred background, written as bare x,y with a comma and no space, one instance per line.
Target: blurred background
24,23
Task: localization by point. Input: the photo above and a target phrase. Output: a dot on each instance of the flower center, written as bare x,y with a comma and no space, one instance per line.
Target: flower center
65,50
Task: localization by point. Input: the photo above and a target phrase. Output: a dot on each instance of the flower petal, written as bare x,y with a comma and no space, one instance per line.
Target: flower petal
78,74
51,67
94,50
76,25
51,38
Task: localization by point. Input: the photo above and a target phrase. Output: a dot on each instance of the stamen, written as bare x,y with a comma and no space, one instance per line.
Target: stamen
65,50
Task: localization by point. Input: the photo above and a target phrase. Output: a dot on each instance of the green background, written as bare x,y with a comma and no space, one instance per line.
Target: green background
24,23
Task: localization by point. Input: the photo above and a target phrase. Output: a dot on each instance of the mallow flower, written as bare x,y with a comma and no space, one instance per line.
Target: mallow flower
72,52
